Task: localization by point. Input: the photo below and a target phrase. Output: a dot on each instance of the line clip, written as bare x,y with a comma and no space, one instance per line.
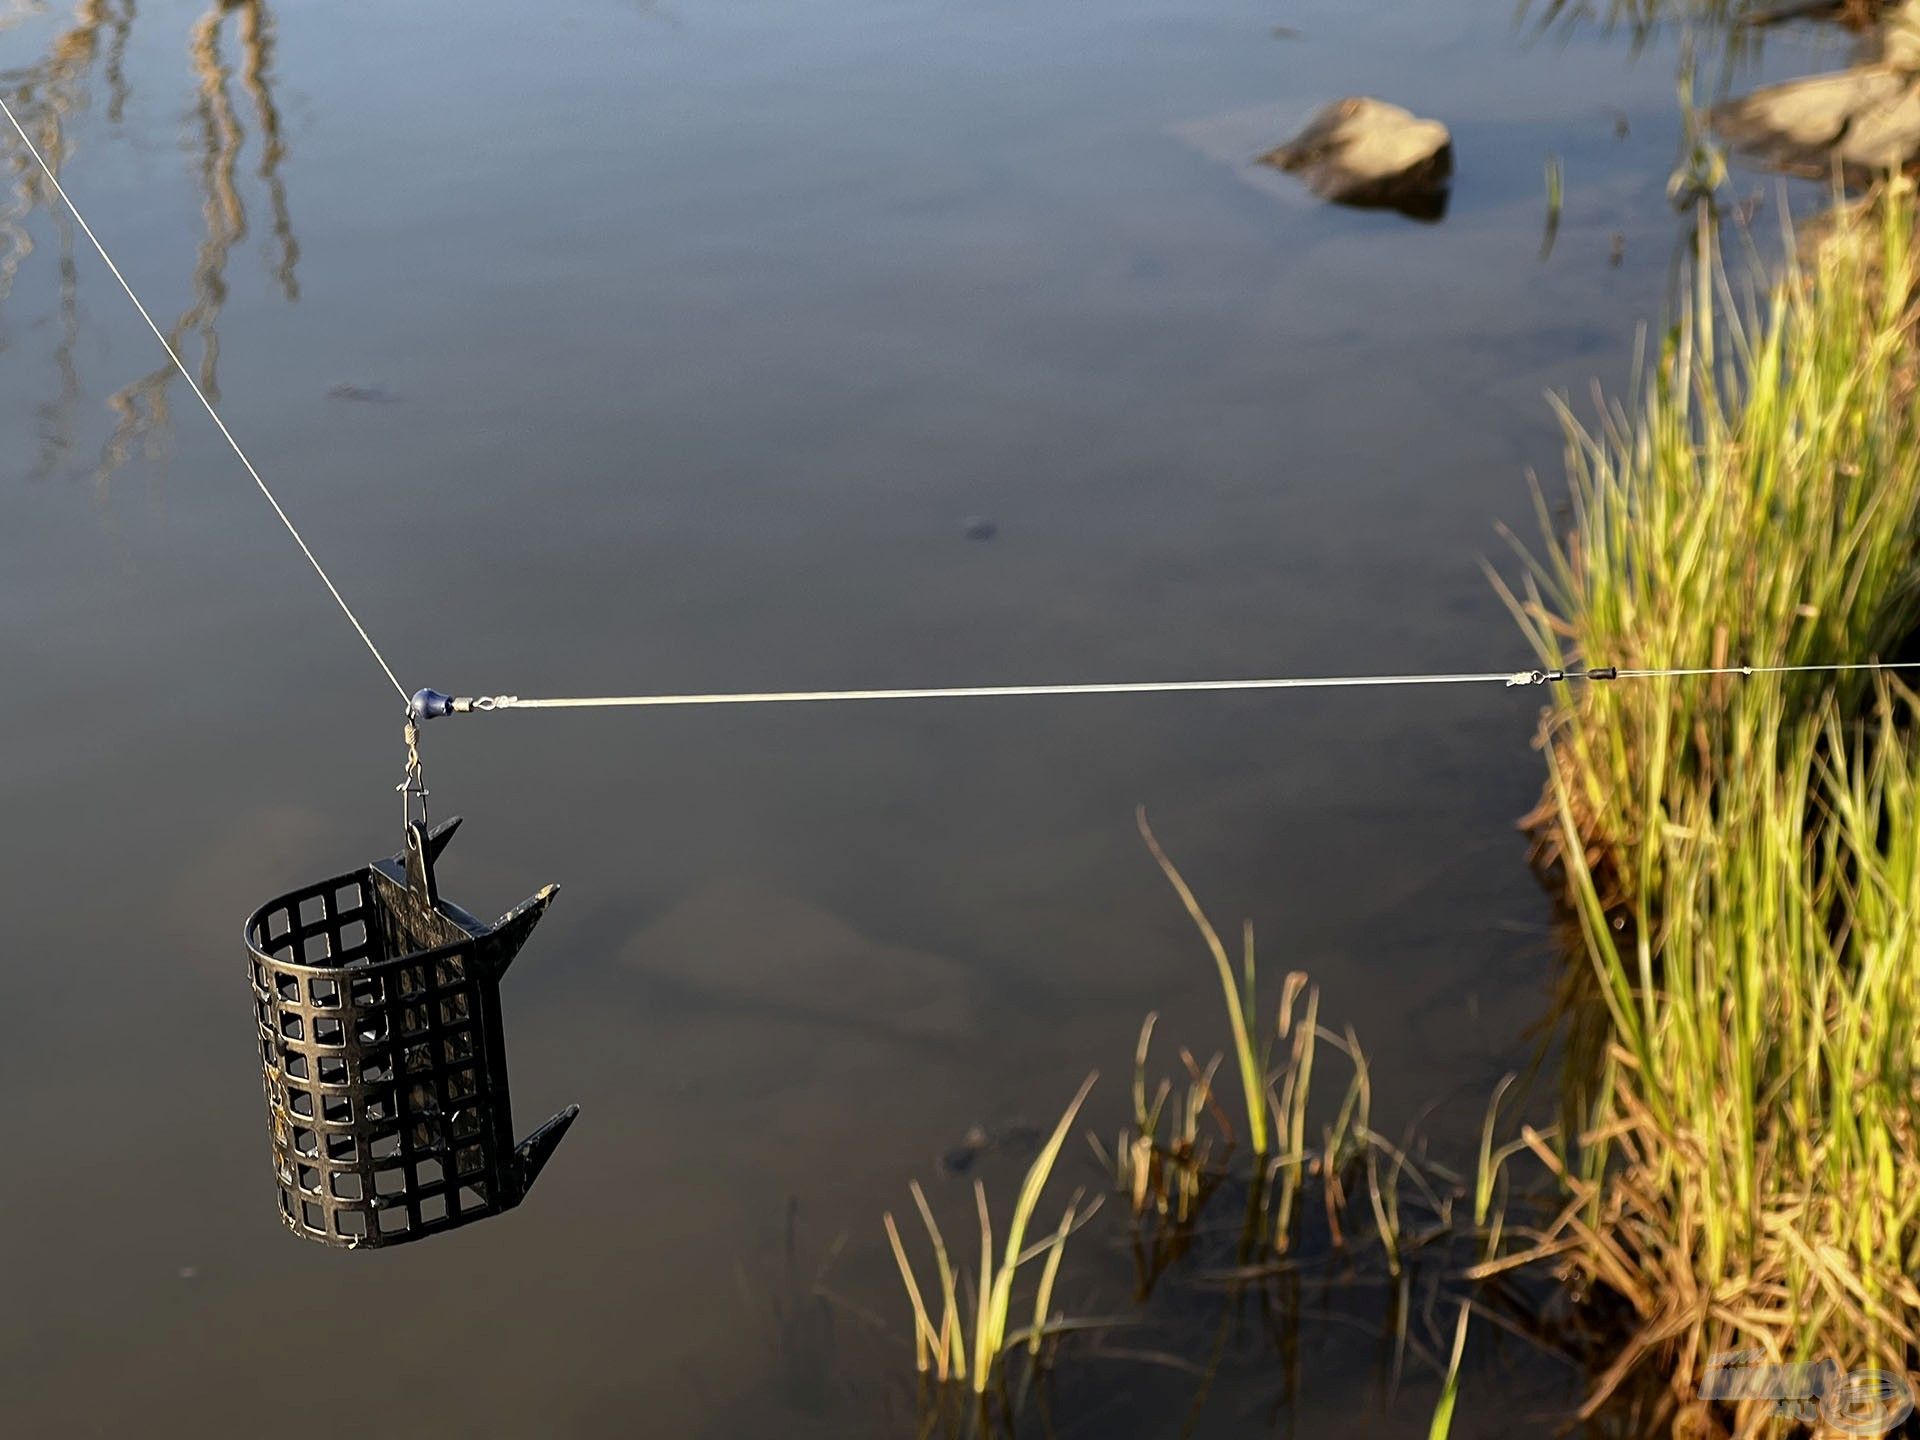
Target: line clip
413,782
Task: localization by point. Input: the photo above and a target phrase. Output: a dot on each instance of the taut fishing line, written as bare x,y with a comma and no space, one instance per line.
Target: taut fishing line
430,704
378,1001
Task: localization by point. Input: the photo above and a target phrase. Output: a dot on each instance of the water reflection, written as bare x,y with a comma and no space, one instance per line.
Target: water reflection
142,408
1729,31
1637,18
43,96
48,97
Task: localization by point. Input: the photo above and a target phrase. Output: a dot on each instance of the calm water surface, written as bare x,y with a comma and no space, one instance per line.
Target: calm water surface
688,337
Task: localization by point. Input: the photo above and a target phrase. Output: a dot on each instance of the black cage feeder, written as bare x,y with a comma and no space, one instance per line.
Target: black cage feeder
385,1063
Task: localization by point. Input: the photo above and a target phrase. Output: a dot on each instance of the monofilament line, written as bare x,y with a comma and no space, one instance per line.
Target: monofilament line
165,345
1838,667
429,704
982,692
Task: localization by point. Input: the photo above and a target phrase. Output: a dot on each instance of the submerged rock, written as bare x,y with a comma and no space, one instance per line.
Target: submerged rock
1016,1138
1366,152
1865,120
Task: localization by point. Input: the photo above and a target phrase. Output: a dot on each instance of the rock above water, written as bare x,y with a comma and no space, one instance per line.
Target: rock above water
1362,151
1866,120
1897,42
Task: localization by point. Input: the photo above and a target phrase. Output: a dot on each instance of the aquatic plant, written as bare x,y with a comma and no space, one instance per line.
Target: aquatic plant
1175,1174
1355,1173
1702,167
1556,200
1751,1177
1331,1198
944,1351
1742,855
1442,1423
1759,508
1172,1177
1242,1001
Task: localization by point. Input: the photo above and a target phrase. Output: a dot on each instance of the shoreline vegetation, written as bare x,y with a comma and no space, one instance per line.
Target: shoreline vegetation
1738,1168
1742,856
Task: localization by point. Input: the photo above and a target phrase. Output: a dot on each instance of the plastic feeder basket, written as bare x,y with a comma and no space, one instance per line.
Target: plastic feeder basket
386,1068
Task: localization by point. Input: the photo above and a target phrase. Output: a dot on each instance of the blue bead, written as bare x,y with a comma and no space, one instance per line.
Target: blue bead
429,705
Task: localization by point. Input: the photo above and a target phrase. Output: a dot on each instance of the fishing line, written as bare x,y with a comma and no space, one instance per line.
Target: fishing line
179,365
431,704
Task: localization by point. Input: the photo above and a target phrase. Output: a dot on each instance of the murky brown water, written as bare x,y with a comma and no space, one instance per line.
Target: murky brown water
688,337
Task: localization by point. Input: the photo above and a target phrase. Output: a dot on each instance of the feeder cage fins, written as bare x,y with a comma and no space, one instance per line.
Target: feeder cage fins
385,1062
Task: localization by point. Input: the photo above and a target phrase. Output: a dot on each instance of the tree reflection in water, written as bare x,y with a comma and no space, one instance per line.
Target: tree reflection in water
48,97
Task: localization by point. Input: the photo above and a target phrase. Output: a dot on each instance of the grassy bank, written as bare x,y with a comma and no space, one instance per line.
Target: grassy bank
1743,855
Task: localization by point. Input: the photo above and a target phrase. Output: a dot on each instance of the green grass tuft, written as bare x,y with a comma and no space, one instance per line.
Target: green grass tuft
1743,855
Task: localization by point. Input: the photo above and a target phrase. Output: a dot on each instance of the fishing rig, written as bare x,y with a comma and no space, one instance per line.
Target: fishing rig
378,1002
